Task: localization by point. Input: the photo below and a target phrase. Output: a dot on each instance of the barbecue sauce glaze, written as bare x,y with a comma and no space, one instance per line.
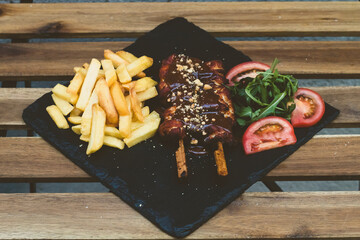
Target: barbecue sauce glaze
195,94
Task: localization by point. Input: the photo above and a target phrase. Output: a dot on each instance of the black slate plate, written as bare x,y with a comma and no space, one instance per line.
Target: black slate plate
145,176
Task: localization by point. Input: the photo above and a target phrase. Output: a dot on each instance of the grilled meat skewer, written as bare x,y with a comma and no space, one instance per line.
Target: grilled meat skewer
199,109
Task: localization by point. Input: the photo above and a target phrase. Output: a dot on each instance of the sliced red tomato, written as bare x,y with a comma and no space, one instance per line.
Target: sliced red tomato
267,133
310,108
244,70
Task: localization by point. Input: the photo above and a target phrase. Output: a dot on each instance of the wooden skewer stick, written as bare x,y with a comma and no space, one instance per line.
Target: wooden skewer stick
220,160
181,160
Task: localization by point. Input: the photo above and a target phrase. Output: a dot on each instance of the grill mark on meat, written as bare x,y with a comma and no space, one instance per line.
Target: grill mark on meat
198,103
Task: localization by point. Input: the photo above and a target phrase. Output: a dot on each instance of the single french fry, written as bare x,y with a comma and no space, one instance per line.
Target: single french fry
123,74
106,102
116,60
119,99
125,125
75,120
97,129
85,138
139,65
107,65
64,106
135,104
112,131
86,66
61,91
88,84
147,94
87,115
145,111
152,116
76,129
75,112
57,117
129,57
114,142
144,83
76,83
110,73
142,133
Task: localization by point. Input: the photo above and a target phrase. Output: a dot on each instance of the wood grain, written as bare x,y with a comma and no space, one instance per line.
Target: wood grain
134,19
304,59
323,215
37,161
14,100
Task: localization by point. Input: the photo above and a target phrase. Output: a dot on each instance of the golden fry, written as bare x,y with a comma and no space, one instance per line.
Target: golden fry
112,131
88,84
106,102
61,91
75,120
110,73
135,104
119,99
76,83
114,142
152,116
76,129
116,60
144,132
139,65
144,84
123,74
125,125
97,129
147,94
129,57
57,117
87,115
64,106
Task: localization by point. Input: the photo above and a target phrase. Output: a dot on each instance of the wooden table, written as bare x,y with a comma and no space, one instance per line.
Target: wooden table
282,215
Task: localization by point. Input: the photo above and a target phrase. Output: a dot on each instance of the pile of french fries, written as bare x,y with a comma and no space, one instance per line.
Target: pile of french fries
105,104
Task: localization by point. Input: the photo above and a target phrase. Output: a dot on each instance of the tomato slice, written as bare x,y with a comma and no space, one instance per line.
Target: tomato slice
267,133
244,70
310,108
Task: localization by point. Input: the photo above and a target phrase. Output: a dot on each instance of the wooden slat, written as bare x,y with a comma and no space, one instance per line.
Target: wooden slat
13,101
227,19
34,160
304,59
320,215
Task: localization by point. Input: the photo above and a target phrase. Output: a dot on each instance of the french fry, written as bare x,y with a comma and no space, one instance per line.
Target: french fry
114,142
75,120
147,94
144,83
129,57
123,74
139,65
135,104
61,91
85,138
142,133
76,129
97,129
116,60
125,121
88,84
76,83
81,70
106,102
75,112
87,115
152,116
119,99
86,66
145,111
57,117
113,132
64,106
110,73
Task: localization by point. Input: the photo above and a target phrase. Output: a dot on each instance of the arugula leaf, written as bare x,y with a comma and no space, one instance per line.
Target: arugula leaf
269,93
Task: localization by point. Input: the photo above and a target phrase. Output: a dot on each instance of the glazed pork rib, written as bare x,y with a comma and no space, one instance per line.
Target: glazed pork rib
199,109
